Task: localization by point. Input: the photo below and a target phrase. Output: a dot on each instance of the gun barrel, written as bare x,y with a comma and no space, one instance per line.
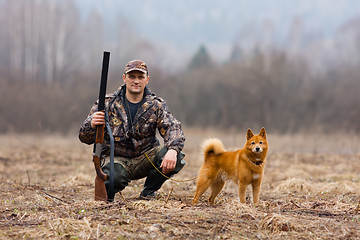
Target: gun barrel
104,74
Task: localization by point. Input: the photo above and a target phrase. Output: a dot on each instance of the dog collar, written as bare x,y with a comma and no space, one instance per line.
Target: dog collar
257,162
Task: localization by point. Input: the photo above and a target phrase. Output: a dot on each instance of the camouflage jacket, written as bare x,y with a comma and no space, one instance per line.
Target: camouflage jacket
132,141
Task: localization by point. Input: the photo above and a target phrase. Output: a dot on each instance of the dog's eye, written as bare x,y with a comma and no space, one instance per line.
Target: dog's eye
252,143
261,142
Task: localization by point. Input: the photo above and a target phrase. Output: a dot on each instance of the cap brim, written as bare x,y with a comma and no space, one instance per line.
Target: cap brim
136,69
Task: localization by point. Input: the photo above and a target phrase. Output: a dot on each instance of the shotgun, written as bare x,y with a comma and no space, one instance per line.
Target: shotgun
100,189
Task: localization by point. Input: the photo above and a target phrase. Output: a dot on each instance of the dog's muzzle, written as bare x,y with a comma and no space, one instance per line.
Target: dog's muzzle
257,150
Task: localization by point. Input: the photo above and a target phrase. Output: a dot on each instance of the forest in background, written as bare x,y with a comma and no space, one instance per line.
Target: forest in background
50,74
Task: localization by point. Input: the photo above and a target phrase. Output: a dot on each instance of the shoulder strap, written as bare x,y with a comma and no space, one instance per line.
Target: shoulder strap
111,192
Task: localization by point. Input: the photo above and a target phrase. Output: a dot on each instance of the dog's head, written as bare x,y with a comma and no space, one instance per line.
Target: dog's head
256,143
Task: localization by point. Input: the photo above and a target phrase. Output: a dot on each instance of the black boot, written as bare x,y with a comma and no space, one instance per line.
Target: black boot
153,182
154,179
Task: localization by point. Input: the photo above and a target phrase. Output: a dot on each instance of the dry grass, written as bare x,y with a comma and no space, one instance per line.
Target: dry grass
311,190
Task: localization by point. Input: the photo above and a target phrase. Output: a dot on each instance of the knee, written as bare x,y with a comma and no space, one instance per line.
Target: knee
180,163
120,177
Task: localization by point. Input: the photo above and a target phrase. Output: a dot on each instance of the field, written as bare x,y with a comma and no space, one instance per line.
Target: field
311,190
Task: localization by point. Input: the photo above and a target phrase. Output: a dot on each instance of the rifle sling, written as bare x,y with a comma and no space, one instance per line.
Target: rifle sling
111,192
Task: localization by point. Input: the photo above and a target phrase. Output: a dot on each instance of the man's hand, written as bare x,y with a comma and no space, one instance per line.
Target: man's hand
98,118
169,161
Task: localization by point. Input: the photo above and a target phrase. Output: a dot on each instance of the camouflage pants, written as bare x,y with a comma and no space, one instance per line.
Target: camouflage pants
127,169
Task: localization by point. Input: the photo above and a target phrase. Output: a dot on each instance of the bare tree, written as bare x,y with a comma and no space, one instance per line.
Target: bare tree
40,39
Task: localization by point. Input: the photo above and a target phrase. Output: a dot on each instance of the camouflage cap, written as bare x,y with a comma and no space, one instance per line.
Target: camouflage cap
136,65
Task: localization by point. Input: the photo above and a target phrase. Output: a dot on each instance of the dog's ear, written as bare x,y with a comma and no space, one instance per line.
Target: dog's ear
262,132
249,134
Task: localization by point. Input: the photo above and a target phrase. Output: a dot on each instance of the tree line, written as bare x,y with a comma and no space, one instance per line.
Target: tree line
235,96
280,95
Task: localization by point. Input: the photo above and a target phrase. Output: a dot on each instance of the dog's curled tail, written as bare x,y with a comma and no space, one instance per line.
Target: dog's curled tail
213,146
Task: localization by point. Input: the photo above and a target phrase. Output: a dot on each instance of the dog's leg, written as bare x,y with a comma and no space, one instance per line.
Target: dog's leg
216,188
202,184
242,192
200,189
256,190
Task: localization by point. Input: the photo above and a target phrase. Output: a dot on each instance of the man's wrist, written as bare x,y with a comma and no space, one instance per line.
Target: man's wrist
172,149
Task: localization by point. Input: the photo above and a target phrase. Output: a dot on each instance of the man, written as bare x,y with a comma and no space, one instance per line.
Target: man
134,114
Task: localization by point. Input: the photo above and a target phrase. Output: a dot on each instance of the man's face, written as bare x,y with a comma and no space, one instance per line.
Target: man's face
135,82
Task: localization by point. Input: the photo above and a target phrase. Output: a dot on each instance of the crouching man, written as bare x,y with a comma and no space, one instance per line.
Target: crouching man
134,114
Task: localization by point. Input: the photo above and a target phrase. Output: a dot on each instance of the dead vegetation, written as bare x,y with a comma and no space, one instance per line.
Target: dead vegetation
311,190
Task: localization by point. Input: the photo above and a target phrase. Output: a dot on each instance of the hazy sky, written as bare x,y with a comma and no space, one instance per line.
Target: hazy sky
185,24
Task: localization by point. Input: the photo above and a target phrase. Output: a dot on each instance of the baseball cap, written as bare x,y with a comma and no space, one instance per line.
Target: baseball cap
136,65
